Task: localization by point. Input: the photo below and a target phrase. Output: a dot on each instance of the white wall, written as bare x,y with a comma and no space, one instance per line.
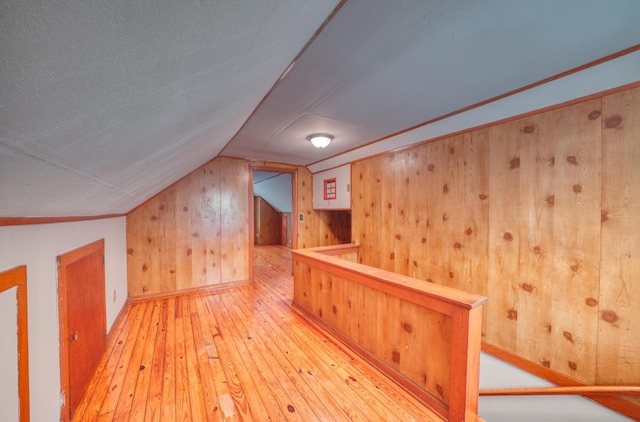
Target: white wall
277,191
37,247
9,398
495,373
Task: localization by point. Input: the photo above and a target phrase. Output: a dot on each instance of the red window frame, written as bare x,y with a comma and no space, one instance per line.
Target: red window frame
330,190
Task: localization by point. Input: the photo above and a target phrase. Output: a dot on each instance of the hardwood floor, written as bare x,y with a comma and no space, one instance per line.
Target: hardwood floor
237,354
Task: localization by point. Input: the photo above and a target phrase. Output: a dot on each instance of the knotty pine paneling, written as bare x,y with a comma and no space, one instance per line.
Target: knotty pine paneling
409,208
319,227
618,301
576,136
504,239
195,233
445,216
267,222
366,204
388,212
475,243
421,347
538,214
234,180
286,236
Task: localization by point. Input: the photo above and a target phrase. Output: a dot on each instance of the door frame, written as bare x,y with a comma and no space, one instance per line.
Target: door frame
17,277
294,207
63,261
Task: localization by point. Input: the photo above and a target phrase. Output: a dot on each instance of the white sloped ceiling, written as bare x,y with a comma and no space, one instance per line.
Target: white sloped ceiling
105,103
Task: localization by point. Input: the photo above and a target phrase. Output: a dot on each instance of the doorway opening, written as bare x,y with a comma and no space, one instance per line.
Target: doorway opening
273,209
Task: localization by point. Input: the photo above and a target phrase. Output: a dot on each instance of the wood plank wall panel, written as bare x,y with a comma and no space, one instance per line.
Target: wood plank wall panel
504,239
475,246
320,227
196,232
537,248
192,234
445,216
336,302
286,236
409,206
234,199
619,299
388,189
524,202
208,214
365,208
306,236
332,227
576,136
150,245
185,245
267,223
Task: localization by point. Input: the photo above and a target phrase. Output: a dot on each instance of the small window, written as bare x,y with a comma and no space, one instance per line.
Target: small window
330,188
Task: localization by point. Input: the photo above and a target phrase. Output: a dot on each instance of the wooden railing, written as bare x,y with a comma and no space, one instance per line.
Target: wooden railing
574,390
424,336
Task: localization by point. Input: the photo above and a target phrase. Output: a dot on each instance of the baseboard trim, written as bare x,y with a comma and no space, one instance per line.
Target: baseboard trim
201,289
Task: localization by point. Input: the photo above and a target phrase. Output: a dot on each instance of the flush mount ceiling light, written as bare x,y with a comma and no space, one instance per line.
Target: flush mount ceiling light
320,140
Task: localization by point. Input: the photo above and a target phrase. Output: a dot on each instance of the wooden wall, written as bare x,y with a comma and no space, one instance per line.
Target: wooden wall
541,215
267,222
196,232
424,336
319,227
286,238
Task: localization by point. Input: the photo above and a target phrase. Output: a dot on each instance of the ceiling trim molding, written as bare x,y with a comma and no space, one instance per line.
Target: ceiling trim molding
594,78
24,221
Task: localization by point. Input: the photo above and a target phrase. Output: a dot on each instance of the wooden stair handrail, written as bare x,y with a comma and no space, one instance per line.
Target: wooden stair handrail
581,390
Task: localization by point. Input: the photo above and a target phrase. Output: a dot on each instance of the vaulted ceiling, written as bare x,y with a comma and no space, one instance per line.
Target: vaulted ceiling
105,103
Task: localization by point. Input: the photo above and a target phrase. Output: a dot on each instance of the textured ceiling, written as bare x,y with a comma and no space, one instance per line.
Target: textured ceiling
105,103
380,67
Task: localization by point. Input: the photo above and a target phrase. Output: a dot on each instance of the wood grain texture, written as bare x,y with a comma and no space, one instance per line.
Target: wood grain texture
475,242
318,227
82,315
86,320
546,225
619,296
576,239
504,235
238,354
366,205
194,233
406,328
234,220
534,292
405,203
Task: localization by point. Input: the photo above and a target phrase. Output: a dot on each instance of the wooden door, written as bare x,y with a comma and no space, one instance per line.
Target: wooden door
81,290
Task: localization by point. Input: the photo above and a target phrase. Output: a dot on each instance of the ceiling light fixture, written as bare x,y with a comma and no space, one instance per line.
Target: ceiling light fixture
320,140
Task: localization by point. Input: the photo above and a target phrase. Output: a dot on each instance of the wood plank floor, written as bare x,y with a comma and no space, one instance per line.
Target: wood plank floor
237,354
